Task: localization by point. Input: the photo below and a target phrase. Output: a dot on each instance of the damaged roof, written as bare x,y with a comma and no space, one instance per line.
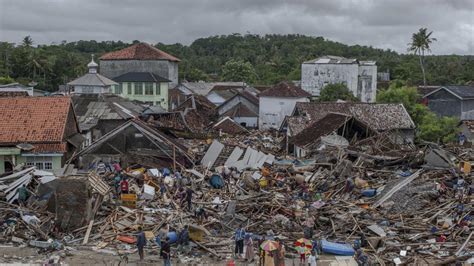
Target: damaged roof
331,59
380,117
34,120
285,89
229,126
91,108
240,110
324,126
139,51
204,88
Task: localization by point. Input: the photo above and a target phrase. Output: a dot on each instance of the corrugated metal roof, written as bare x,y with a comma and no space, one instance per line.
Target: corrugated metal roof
92,79
331,59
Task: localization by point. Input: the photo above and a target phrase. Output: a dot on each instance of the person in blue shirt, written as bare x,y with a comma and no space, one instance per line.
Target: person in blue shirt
141,242
117,180
239,241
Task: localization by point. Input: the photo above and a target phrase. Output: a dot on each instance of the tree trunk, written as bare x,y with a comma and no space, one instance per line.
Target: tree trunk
421,55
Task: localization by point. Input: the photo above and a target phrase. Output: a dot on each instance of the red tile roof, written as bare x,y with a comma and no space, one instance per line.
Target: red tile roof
285,89
139,51
40,120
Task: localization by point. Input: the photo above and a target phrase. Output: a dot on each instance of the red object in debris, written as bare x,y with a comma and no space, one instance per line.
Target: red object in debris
231,263
441,239
127,239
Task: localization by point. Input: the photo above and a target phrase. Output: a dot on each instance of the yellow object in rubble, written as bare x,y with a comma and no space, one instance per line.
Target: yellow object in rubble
263,182
465,167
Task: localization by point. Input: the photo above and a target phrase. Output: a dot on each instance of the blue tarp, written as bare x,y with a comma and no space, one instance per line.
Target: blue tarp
216,181
337,248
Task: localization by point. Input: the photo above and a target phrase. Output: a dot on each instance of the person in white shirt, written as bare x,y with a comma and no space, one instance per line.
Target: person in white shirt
312,259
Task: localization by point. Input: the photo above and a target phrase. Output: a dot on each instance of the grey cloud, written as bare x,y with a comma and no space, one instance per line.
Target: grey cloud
380,23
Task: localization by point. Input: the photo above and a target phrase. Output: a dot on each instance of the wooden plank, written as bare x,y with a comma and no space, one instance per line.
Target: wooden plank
88,232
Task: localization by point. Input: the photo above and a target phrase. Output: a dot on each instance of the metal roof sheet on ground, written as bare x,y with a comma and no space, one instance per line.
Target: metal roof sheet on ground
212,153
234,156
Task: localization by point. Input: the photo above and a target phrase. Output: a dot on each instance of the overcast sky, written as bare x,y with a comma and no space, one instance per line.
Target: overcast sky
380,23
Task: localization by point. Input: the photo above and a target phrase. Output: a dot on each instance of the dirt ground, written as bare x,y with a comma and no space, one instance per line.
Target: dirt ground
26,255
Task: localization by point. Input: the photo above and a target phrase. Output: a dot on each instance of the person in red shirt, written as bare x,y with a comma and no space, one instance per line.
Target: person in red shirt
124,186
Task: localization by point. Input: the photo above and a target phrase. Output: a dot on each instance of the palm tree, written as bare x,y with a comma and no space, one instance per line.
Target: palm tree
420,42
27,41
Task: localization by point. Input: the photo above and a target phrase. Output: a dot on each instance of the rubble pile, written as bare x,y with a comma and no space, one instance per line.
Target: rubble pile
392,204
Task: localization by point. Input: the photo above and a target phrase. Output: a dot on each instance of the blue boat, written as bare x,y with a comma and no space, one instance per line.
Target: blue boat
337,248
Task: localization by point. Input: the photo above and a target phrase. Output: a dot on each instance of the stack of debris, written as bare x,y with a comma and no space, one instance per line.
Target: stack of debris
387,203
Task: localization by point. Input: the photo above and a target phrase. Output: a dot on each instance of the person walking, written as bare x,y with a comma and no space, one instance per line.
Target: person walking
249,252
239,241
117,180
189,197
141,242
166,251
23,194
312,259
183,239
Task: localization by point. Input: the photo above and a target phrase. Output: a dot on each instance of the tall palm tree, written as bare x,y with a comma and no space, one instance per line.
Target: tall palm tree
420,43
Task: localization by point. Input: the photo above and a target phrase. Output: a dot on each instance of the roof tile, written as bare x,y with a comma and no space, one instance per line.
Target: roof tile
139,51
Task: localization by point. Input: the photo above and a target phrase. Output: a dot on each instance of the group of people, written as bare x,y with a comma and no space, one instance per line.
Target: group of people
164,242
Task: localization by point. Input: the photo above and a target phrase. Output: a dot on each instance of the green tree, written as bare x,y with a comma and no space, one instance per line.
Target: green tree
195,74
420,43
6,80
430,127
238,70
27,41
336,91
397,93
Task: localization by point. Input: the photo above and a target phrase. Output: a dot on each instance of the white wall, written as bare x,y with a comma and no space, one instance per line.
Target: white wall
315,76
367,89
273,110
251,122
91,89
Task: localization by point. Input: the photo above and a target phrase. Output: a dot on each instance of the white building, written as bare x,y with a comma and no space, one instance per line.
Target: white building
359,76
92,82
278,102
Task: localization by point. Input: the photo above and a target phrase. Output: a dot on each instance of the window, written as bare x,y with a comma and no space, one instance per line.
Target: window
158,89
41,162
148,88
138,88
129,88
118,89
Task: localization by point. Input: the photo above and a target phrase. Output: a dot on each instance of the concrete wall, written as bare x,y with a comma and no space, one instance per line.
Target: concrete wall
250,122
367,86
161,98
164,68
274,109
315,76
56,160
91,89
444,103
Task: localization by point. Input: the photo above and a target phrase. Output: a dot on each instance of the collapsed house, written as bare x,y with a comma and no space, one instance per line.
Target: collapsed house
191,119
135,142
332,130
98,114
390,119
